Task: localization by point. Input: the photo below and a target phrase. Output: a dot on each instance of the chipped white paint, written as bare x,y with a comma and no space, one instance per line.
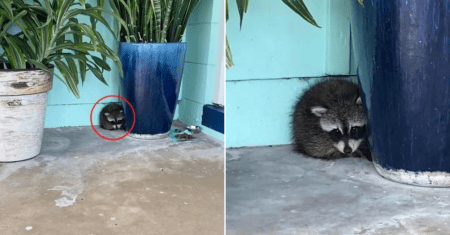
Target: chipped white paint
424,178
28,228
23,98
70,195
149,137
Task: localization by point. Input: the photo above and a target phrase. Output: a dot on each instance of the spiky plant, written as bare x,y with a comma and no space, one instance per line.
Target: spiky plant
158,21
50,34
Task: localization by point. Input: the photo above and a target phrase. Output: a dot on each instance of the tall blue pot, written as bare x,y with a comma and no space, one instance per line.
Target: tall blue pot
151,82
402,49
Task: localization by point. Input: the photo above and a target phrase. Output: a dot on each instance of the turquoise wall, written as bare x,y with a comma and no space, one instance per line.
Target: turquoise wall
63,109
277,56
202,35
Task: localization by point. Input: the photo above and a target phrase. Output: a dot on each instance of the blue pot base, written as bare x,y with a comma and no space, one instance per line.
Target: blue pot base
438,179
148,136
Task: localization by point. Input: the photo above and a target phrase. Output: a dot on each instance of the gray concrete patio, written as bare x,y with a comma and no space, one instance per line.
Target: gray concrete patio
271,190
82,184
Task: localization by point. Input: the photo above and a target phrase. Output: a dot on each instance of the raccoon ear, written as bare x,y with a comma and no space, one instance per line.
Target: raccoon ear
359,101
107,114
318,111
121,111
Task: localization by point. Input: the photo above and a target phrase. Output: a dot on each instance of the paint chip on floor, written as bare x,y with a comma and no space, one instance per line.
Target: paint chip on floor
29,228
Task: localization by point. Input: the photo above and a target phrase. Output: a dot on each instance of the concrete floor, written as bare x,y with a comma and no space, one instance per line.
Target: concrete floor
81,184
271,190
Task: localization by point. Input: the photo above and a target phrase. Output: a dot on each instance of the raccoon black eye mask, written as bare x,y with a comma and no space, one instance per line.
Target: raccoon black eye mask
329,122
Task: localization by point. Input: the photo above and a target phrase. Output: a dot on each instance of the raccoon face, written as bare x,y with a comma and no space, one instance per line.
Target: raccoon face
116,119
345,128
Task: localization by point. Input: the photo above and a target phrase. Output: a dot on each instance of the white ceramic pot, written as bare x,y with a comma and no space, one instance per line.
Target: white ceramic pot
23,98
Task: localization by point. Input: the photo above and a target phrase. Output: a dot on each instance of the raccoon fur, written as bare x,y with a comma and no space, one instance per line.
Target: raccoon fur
329,121
112,118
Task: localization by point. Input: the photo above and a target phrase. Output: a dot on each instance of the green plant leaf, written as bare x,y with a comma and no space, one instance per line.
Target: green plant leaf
14,53
24,47
69,78
73,69
299,7
157,10
227,14
101,63
13,20
229,56
166,21
40,65
96,71
242,8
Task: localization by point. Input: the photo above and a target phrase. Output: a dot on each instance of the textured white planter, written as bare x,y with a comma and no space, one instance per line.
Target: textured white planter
23,98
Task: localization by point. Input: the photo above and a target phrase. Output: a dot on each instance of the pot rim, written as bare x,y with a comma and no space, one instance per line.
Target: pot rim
50,66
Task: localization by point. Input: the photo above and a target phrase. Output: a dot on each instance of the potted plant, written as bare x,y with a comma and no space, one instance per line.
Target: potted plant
153,57
49,36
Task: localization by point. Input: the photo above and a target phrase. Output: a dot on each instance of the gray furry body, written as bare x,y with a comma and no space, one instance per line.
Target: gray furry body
329,121
112,118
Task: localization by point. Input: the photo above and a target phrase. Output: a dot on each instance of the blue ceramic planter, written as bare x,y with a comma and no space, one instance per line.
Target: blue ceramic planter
151,82
402,49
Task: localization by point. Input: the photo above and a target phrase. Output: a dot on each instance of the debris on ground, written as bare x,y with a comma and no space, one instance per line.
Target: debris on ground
182,135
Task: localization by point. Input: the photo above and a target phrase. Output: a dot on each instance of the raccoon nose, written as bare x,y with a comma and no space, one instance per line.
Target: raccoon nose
347,150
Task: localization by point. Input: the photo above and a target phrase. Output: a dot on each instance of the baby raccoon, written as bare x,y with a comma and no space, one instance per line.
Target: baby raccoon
112,118
329,122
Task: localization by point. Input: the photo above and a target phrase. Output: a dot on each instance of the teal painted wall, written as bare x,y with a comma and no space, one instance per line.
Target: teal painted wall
197,88
277,56
202,35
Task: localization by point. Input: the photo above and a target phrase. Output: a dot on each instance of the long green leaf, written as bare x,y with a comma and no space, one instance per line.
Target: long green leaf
73,69
96,71
13,20
100,62
300,8
158,10
40,65
242,8
68,77
166,21
25,48
15,54
229,56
